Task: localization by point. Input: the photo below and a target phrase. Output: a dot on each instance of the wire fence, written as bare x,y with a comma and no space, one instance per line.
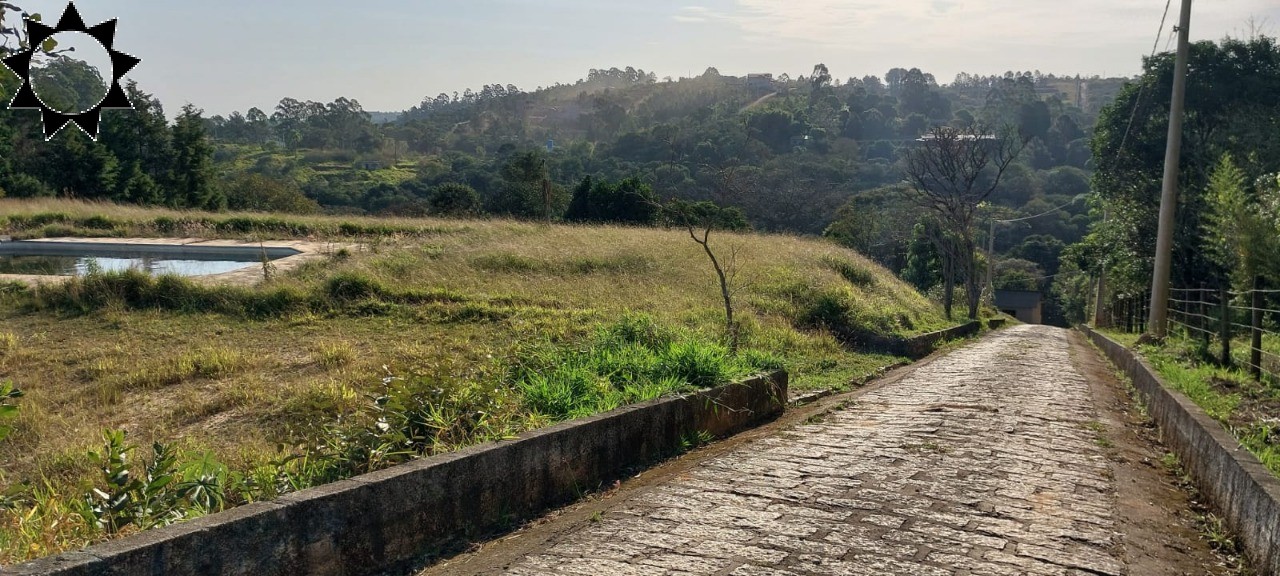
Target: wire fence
1129,313
1236,328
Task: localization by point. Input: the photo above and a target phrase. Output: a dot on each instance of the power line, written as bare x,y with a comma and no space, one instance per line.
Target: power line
1142,86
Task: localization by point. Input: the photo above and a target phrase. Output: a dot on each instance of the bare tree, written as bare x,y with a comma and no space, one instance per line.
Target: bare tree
951,172
700,219
726,270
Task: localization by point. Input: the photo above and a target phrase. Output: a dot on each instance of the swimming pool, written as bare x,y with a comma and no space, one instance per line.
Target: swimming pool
77,259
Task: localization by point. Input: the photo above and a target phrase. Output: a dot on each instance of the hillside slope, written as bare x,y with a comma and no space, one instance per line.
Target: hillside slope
492,326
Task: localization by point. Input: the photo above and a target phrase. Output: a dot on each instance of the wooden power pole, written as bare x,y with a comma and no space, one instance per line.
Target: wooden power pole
1157,325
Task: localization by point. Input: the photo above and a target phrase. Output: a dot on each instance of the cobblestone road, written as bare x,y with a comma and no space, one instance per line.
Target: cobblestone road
981,462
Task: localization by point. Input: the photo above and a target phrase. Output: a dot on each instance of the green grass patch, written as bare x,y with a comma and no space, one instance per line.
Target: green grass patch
1246,408
630,361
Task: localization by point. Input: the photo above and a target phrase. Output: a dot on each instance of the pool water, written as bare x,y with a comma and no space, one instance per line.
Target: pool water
56,258
49,265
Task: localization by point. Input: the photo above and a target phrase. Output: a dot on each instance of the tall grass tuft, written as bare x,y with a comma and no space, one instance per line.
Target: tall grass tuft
212,362
627,361
8,344
334,354
859,276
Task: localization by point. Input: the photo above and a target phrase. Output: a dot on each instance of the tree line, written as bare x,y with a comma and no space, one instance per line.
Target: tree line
811,154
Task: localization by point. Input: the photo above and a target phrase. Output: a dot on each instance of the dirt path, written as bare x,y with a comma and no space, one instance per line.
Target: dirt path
758,102
1014,455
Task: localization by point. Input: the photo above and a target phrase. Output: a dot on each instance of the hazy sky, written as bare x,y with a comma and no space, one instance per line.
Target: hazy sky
389,54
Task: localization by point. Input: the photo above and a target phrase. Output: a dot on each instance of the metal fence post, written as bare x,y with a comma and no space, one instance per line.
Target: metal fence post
1225,328
1203,322
1255,354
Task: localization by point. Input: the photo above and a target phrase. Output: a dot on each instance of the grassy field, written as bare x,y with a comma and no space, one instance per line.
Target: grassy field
1247,408
436,334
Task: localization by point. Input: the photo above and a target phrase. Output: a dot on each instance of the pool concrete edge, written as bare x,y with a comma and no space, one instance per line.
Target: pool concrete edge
306,251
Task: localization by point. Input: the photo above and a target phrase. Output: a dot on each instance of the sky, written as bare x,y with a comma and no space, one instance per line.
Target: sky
390,54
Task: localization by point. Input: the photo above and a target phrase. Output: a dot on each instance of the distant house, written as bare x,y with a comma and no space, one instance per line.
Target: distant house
760,82
371,165
1025,305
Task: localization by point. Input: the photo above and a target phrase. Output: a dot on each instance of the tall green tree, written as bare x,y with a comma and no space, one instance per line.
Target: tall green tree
1231,107
191,181
1240,233
924,266
141,141
68,84
527,190
629,202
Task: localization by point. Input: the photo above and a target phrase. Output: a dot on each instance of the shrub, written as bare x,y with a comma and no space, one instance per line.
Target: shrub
265,194
629,201
629,360
453,199
22,185
699,364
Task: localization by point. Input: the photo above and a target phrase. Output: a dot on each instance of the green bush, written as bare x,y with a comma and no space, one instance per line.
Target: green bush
453,199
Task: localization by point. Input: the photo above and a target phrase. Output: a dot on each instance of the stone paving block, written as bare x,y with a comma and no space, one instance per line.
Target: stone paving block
593,567
686,563
751,570
702,532
620,551
830,546
747,553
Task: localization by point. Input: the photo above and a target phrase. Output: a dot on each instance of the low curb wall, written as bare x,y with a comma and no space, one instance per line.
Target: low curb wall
915,348
1238,485
924,345
389,519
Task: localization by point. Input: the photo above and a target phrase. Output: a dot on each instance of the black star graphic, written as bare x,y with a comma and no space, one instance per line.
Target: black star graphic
53,120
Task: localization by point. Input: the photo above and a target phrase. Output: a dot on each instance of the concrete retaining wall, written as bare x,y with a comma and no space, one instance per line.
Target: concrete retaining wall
245,252
915,348
389,519
924,345
1236,483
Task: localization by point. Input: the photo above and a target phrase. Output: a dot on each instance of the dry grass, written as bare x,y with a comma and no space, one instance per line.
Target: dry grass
33,218
240,387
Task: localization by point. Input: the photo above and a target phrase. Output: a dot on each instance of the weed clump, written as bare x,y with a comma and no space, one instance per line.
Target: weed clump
334,354
628,361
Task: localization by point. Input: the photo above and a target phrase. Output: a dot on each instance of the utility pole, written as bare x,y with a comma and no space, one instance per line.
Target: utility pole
1100,319
1157,321
991,258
